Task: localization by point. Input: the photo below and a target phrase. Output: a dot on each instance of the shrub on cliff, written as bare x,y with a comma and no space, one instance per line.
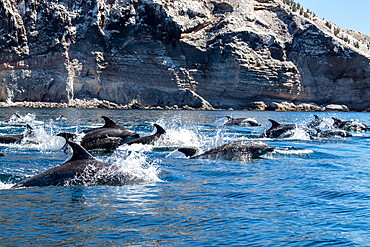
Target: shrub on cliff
336,32
328,24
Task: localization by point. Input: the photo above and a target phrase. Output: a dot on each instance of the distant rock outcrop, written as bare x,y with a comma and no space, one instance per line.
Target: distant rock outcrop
220,53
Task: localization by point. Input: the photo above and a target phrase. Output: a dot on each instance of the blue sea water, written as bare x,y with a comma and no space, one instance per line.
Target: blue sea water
306,193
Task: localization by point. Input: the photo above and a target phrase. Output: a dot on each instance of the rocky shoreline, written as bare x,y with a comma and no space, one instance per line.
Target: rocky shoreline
257,106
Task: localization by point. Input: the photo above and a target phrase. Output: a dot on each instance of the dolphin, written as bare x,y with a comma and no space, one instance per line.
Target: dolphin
316,122
61,118
108,123
239,150
350,125
149,139
278,130
7,139
80,168
332,133
14,118
241,121
102,140
107,137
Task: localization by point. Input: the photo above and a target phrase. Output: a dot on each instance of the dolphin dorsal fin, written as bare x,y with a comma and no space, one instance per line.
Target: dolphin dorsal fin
317,117
336,120
189,152
29,130
275,124
79,153
160,130
109,123
228,117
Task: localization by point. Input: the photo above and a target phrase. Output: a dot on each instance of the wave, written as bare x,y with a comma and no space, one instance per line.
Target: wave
17,119
133,163
292,151
5,186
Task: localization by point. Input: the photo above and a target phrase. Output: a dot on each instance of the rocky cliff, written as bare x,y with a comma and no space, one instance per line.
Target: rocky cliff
224,53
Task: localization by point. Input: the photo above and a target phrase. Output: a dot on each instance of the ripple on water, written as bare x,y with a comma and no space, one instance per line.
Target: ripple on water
308,192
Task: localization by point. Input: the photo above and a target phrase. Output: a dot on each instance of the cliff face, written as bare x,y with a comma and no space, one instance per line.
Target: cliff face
163,52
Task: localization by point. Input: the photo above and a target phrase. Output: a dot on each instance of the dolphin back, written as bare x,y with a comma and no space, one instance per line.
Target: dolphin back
275,124
109,123
146,140
239,150
79,153
81,163
337,122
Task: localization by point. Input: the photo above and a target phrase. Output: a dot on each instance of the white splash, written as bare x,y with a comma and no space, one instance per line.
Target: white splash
298,133
5,186
29,118
44,139
133,162
289,150
246,121
355,126
217,140
327,123
179,137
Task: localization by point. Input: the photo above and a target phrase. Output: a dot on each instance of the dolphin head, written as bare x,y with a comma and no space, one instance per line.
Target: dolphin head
337,121
261,148
67,135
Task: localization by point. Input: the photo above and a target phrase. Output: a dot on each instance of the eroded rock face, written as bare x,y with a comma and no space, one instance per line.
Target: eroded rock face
224,53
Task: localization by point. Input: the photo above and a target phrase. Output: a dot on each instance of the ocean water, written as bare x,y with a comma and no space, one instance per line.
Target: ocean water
306,193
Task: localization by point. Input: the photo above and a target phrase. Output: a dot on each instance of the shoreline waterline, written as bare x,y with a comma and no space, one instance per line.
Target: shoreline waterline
104,104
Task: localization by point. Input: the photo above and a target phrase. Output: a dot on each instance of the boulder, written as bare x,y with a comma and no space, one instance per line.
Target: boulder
334,107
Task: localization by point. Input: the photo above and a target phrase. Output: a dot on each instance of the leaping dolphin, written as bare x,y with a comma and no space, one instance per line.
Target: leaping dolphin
108,123
7,139
241,121
149,139
333,133
239,150
316,122
107,137
350,125
61,118
278,130
81,168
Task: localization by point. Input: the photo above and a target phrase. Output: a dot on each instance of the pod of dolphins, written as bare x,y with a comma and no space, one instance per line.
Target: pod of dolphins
111,135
